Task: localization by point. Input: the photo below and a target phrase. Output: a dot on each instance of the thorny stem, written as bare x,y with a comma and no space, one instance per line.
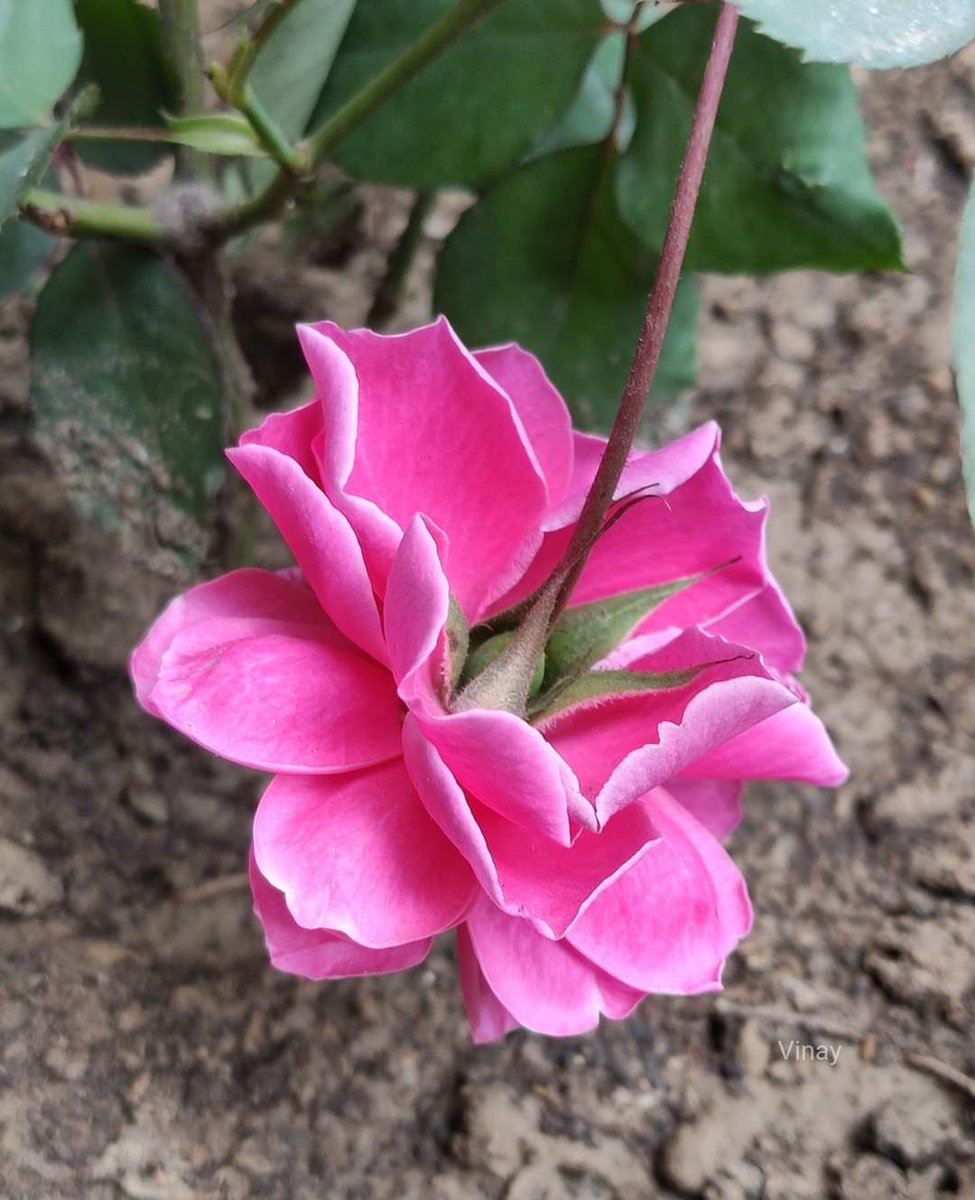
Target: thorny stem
659,304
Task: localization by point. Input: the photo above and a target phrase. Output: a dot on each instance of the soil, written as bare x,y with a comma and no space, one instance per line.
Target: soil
149,1051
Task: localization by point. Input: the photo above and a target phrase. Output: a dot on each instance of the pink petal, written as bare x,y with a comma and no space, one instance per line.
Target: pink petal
248,592
488,1017
626,745
541,409
358,854
713,803
291,434
413,424
702,525
490,753
320,538
320,953
667,469
523,873
508,765
545,985
669,923
792,744
416,608
282,693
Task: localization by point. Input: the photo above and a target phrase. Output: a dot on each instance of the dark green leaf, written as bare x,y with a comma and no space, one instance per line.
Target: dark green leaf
24,250
217,133
479,107
868,33
590,116
292,66
126,385
787,182
963,347
545,260
40,48
124,57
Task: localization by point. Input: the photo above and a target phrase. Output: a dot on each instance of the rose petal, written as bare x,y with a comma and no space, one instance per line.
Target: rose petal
358,854
792,744
320,953
291,434
523,873
320,538
261,595
666,469
488,1017
713,803
628,744
283,693
669,923
418,426
542,411
545,985
416,609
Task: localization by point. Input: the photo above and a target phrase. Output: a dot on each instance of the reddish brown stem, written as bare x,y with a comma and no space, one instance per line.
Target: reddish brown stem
659,304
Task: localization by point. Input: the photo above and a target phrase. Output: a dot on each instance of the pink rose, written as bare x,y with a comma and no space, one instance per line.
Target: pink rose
575,846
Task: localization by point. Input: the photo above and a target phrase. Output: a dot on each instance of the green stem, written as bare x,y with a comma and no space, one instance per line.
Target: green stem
183,47
289,157
268,203
119,133
75,217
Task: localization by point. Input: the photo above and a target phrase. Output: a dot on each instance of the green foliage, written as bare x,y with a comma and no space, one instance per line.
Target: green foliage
126,381
24,250
291,67
23,162
545,260
589,118
40,49
475,111
218,133
123,56
868,33
787,183
963,347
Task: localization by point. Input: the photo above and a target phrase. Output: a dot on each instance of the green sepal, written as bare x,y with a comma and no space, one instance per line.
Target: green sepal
595,686
587,633
485,654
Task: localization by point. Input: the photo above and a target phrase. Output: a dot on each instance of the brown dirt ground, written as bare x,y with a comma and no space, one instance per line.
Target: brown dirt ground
148,1051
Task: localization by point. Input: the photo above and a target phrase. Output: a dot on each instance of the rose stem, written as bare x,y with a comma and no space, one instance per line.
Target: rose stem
661,300
519,657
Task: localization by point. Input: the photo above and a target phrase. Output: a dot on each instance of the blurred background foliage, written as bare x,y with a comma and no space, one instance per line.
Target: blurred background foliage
565,120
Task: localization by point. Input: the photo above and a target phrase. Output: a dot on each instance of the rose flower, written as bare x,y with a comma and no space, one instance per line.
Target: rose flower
566,821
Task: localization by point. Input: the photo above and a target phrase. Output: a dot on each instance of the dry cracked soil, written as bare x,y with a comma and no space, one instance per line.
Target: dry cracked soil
148,1051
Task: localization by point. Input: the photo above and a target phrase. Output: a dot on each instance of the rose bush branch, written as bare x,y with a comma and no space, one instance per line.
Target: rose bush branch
69,218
